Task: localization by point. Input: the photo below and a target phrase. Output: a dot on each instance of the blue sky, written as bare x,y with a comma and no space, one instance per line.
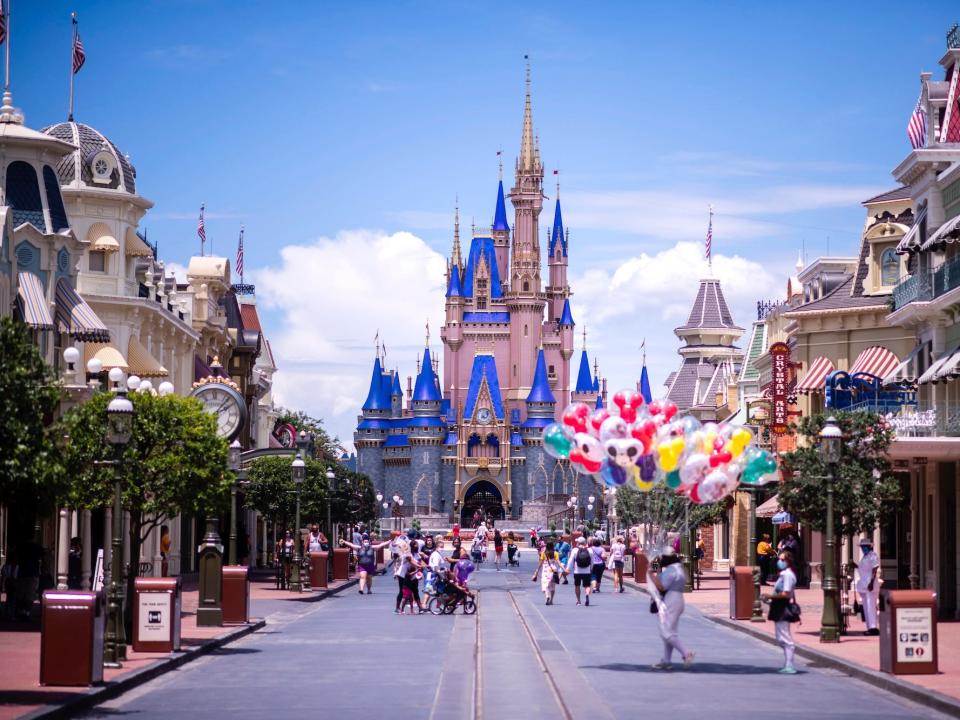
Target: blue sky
344,132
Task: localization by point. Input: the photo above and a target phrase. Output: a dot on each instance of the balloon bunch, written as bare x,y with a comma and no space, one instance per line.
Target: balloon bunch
643,443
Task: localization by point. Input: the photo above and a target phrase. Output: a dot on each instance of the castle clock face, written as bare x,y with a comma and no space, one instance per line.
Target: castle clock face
484,416
227,405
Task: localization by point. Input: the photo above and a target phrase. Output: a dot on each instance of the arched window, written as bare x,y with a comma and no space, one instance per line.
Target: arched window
58,216
525,333
23,195
494,443
526,286
889,267
472,445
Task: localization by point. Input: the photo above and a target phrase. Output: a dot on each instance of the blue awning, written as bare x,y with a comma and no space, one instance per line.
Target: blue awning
33,302
783,518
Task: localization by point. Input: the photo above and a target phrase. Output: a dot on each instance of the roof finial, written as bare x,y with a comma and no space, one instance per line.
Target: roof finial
456,233
799,264
7,112
643,349
584,337
596,367
556,173
376,342
500,162
428,333
527,145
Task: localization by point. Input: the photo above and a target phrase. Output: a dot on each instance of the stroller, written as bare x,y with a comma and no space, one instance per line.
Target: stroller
476,554
513,555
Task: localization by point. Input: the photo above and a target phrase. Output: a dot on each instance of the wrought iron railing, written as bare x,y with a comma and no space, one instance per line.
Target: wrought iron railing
926,422
923,286
946,277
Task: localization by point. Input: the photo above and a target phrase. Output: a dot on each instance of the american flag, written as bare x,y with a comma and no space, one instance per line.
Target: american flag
709,252
3,21
917,127
201,230
79,56
240,255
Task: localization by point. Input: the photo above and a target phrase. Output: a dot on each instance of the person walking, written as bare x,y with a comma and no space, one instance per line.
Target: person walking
563,550
766,555
781,600
497,547
286,557
598,563
75,565
366,561
667,590
618,551
548,569
868,584
580,564
165,544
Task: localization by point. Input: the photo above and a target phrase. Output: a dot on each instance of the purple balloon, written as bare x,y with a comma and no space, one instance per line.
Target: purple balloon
648,468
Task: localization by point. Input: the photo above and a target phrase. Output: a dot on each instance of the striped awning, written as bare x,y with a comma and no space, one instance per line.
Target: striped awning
105,353
947,367
134,246
949,232
76,318
769,508
813,380
911,241
101,238
33,302
876,360
910,370
141,362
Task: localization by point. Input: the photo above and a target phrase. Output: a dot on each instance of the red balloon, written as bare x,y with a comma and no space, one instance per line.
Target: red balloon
654,408
597,418
628,401
695,495
669,409
576,417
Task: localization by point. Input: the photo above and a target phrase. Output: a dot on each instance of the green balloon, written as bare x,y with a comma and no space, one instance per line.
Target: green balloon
758,466
672,479
556,442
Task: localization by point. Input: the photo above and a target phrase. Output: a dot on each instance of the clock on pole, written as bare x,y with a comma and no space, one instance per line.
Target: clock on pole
221,397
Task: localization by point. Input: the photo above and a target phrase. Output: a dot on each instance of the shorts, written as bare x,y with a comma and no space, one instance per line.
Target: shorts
371,568
582,579
618,564
498,549
596,571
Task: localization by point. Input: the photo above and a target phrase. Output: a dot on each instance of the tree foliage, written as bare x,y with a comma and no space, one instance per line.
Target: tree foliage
29,396
665,506
865,489
271,492
175,461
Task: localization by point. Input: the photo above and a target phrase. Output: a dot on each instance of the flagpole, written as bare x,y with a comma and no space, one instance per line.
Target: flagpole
73,45
6,48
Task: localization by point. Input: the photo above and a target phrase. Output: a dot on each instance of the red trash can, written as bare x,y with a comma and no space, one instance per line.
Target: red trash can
235,594
156,614
318,570
741,593
341,564
72,623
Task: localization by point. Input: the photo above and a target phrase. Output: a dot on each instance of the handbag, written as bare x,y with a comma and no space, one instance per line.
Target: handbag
654,608
791,612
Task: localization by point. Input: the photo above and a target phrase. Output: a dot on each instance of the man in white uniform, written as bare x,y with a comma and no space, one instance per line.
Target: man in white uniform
868,584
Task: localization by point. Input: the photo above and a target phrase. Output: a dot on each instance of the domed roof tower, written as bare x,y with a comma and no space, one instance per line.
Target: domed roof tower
97,163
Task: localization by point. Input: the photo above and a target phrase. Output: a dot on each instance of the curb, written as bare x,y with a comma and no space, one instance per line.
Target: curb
96,695
891,683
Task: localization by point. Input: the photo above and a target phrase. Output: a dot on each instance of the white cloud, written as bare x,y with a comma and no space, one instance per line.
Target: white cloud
177,270
332,296
648,295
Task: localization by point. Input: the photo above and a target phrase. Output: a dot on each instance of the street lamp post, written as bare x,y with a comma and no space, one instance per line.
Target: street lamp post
120,414
831,447
233,455
298,472
331,486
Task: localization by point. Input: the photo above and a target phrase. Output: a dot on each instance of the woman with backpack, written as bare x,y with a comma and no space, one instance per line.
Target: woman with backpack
549,570
366,561
581,565
784,609
667,591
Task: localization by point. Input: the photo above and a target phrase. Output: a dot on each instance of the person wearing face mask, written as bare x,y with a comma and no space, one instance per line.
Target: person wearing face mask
780,599
366,561
868,585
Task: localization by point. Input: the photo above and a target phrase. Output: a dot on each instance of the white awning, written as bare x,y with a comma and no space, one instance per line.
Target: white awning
935,372
769,508
949,232
910,370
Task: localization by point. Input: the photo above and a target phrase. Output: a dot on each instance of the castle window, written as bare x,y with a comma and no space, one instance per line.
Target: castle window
23,195
58,216
526,286
889,267
481,303
525,333
97,261
551,370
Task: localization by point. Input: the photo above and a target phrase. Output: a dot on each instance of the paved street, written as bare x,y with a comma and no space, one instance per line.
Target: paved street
351,657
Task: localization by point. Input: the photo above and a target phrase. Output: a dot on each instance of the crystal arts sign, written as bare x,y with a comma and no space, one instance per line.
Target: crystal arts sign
780,363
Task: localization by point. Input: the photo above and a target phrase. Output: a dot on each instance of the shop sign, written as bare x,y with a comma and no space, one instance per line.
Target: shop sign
914,634
154,616
780,363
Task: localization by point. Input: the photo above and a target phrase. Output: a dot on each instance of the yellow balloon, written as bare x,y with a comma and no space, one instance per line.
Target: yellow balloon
644,486
668,459
677,446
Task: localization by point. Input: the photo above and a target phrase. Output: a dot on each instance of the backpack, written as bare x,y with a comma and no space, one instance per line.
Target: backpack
583,558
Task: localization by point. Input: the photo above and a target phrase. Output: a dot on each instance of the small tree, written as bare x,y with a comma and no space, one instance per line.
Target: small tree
865,489
175,463
29,396
325,445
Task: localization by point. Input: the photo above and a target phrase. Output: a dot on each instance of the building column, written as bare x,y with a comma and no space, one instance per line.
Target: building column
173,560
87,541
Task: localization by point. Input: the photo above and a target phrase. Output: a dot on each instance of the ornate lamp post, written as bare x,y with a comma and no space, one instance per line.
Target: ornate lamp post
331,487
233,462
572,505
831,448
298,472
120,414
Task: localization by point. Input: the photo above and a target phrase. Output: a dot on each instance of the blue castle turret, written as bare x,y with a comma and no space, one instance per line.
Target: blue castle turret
566,317
541,404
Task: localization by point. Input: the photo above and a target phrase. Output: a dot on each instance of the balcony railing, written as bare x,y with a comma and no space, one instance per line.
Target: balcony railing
925,286
926,422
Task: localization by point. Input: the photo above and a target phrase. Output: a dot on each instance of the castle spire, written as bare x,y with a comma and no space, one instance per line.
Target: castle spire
456,235
528,149
500,215
540,389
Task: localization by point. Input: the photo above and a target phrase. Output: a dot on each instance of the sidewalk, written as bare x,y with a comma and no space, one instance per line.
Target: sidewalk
22,695
855,650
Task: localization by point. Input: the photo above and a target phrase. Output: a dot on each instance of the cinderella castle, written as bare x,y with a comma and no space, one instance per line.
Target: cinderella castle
472,440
